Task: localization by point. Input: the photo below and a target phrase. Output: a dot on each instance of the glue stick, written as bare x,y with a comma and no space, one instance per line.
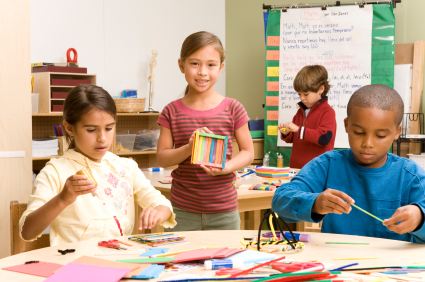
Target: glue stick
155,169
223,263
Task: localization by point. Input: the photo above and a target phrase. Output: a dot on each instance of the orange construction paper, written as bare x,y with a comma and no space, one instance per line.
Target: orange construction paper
43,269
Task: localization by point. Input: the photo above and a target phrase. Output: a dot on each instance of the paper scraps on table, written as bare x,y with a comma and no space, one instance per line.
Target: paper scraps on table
43,269
152,271
180,267
88,273
165,181
135,268
155,251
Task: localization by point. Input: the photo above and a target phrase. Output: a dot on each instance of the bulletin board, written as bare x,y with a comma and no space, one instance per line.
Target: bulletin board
355,44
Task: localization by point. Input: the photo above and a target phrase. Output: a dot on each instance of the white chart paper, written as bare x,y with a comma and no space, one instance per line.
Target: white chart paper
338,38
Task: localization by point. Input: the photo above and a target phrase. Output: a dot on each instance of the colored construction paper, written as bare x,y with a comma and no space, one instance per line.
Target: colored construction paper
152,271
273,86
43,269
272,101
148,260
78,272
272,55
155,251
272,71
210,253
272,115
271,130
251,257
135,268
273,40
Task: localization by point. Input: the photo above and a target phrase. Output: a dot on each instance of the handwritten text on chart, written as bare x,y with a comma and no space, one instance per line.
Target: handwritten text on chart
339,39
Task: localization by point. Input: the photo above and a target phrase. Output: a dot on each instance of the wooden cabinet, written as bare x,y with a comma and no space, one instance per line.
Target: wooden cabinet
258,150
43,127
52,95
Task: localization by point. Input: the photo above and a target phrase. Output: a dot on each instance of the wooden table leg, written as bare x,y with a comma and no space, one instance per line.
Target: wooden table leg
242,216
254,219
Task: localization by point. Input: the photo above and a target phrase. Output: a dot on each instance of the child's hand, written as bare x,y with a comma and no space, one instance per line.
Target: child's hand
288,125
192,137
332,201
75,186
214,171
409,217
149,217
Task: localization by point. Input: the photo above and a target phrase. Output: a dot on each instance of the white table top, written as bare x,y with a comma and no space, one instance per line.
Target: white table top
390,252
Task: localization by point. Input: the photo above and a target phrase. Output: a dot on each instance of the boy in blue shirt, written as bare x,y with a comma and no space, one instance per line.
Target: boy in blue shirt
390,187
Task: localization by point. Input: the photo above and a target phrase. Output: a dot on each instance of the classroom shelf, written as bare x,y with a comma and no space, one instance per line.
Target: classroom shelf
57,114
45,158
150,152
43,127
42,86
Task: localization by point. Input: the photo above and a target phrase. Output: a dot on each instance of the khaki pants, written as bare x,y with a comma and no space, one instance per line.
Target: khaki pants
191,221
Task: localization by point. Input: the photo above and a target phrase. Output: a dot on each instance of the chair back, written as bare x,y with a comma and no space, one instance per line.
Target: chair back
17,245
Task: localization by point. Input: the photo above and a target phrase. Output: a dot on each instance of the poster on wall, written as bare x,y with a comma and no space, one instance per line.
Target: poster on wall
340,39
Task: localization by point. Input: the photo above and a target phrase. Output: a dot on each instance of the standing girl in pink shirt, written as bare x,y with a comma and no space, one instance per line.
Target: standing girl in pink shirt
203,198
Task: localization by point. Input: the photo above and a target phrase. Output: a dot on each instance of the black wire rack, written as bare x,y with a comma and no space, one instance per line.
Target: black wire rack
405,125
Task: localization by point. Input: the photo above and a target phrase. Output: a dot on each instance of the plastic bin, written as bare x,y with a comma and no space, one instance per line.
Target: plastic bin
125,142
146,140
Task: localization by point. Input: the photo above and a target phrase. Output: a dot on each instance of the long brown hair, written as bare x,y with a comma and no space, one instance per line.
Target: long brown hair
310,78
199,40
81,100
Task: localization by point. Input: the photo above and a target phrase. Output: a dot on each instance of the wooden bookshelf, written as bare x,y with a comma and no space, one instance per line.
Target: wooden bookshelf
42,127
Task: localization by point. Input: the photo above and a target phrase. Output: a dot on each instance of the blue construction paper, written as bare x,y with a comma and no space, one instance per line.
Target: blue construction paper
252,257
155,251
152,271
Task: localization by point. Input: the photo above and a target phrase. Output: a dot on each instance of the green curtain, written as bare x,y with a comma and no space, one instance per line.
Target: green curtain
383,44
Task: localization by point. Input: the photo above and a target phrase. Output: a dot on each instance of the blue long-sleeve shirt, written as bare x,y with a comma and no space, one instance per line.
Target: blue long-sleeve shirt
380,191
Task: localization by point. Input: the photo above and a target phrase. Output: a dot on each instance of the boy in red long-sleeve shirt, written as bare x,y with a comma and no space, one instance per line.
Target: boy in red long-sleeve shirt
313,128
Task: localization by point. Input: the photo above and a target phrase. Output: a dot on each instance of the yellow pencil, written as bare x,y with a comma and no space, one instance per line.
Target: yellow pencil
418,262
356,258
175,253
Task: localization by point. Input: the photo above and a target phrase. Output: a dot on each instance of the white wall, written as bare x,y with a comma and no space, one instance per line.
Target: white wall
114,39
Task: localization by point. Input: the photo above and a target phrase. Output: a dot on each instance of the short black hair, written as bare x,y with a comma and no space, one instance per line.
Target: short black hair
378,96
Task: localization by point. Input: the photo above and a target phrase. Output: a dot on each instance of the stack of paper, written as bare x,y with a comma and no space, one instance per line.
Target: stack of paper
44,147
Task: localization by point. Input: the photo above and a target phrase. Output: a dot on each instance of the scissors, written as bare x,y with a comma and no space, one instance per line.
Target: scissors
292,267
111,244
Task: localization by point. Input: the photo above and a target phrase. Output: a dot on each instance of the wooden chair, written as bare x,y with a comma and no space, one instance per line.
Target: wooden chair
17,245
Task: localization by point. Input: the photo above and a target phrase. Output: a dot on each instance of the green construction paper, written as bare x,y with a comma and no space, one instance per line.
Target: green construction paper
148,260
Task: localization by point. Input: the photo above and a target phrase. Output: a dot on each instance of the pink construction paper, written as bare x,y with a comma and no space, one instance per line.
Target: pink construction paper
77,272
43,269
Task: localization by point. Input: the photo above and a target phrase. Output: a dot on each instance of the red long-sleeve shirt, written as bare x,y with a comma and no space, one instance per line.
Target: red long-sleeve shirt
316,134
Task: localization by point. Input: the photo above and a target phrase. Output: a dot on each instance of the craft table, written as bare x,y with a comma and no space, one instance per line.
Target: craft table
249,201
390,252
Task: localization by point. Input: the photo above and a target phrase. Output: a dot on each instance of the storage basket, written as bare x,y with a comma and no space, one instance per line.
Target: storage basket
130,105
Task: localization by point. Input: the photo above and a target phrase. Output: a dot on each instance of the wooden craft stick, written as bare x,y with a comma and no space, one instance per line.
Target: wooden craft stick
367,213
211,151
198,157
195,148
202,149
218,158
207,149
224,153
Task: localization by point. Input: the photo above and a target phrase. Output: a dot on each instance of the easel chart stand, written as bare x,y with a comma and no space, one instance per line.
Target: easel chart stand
377,69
